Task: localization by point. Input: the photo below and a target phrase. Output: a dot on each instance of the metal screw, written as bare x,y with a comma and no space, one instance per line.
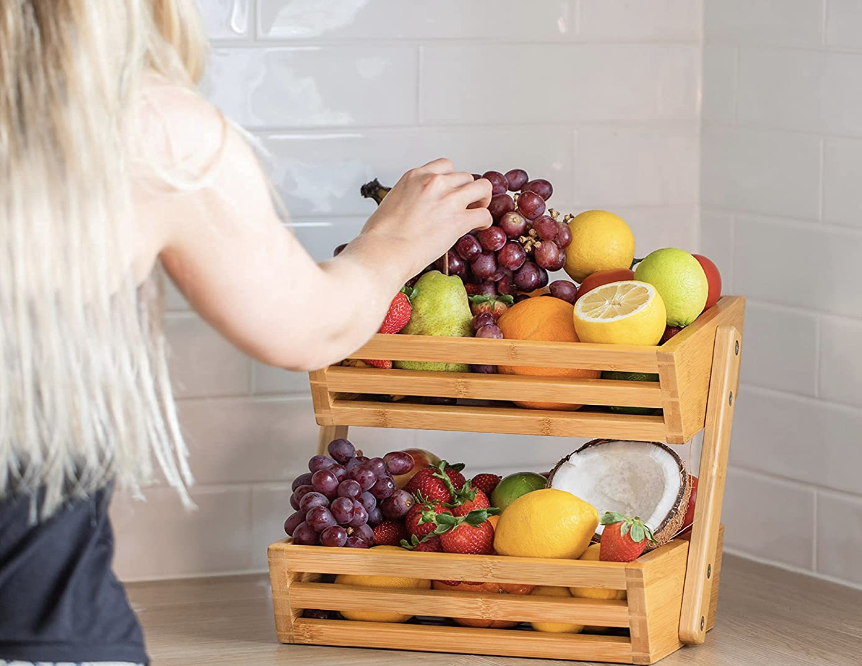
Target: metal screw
708,570
736,347
730,398
702,623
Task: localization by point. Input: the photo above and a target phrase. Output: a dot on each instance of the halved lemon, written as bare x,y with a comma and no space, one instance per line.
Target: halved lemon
621,313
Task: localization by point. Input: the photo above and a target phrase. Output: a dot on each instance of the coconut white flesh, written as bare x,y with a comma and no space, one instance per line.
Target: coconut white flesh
631,478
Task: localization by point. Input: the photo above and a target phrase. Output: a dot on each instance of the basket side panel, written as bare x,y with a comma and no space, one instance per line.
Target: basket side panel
654,592
716,580
463,640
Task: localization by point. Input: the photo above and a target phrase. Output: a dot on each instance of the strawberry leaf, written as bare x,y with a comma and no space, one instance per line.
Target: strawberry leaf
507,299
637,531
611,518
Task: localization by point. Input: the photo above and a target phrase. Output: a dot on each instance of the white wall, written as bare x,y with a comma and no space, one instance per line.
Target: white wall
599,96
781,199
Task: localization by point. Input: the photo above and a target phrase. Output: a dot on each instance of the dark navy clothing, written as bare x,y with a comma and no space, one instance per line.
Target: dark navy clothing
59,598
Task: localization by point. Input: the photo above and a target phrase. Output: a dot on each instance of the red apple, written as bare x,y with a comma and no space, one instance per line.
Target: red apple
421,460
713,279
689,512
599,278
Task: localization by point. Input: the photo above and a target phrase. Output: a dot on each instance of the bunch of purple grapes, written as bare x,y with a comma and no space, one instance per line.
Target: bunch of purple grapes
525,241
344,495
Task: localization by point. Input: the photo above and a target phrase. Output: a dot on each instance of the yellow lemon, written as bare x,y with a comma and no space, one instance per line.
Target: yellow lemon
600,241
555,627
621,313
381,581
546,523
592,554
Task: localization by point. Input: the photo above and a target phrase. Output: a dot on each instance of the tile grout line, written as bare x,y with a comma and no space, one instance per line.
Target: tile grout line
814,549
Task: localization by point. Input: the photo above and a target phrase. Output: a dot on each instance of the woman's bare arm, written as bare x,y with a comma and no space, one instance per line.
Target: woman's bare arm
246,274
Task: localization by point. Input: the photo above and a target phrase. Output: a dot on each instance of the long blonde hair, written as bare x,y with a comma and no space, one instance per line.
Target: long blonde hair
84,392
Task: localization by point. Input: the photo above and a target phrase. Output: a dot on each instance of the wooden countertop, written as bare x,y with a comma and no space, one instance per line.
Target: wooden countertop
766,617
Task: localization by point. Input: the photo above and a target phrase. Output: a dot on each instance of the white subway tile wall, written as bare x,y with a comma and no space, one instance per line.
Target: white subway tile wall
781,163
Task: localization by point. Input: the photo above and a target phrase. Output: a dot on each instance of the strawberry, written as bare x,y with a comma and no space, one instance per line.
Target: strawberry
438,483
471,500
469,535
384,365
389,533
428,544
496,305
486,482
398,315
624,538
419,520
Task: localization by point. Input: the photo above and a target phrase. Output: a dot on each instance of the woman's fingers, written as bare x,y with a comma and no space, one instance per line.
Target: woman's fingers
478,218
441,165
475,194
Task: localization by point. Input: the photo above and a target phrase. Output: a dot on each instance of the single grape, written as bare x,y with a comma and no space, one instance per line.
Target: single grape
512,256
516,178
530,205
543,277
364,475
342,510
491,331
500,205
456,264
367,500
304,535
487,288
541,187
334,537
561,259
325,482
547,255
383,488
500,273
412,281
360,515
356,542
564,236
350,464
527,277
320,462
364,532
397,505
341,450
375,517
483,319
491,239
547,227
320,517
338,250
484,369
339,471
298,494
564,290
513,224
468,247
291,523
398,462
484,265
498,181
301,480
505,285
311,500
378,465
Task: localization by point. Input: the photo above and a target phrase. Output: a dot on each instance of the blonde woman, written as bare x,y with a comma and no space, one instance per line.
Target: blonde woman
110,162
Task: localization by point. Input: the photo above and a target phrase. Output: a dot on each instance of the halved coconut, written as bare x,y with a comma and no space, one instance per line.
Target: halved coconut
638,479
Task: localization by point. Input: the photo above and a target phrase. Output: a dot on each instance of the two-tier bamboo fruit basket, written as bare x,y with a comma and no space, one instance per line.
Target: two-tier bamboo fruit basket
672,591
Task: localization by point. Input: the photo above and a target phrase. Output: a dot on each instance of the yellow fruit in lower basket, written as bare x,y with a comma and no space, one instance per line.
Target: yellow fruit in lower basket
592,554
381,581
621,313
555,627
546,523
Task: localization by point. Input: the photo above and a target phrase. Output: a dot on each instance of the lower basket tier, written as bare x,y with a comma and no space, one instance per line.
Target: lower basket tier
640,628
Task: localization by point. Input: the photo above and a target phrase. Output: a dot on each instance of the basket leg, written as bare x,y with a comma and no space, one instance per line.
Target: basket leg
327,434
710,490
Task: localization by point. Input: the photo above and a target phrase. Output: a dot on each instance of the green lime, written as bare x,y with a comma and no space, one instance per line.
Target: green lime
515,485
680,280
632,377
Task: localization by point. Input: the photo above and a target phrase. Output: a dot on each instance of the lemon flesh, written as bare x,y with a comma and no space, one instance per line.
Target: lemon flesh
621,313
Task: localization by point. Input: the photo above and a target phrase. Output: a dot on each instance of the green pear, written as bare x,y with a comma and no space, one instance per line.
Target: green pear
440,307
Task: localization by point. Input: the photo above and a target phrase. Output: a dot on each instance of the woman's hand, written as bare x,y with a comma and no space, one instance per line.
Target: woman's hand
428,210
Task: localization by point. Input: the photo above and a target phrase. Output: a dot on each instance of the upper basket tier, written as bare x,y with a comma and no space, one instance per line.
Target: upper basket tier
348,396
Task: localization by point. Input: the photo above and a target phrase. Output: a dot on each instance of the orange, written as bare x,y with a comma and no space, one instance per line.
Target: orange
487,588
493,520
544,318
